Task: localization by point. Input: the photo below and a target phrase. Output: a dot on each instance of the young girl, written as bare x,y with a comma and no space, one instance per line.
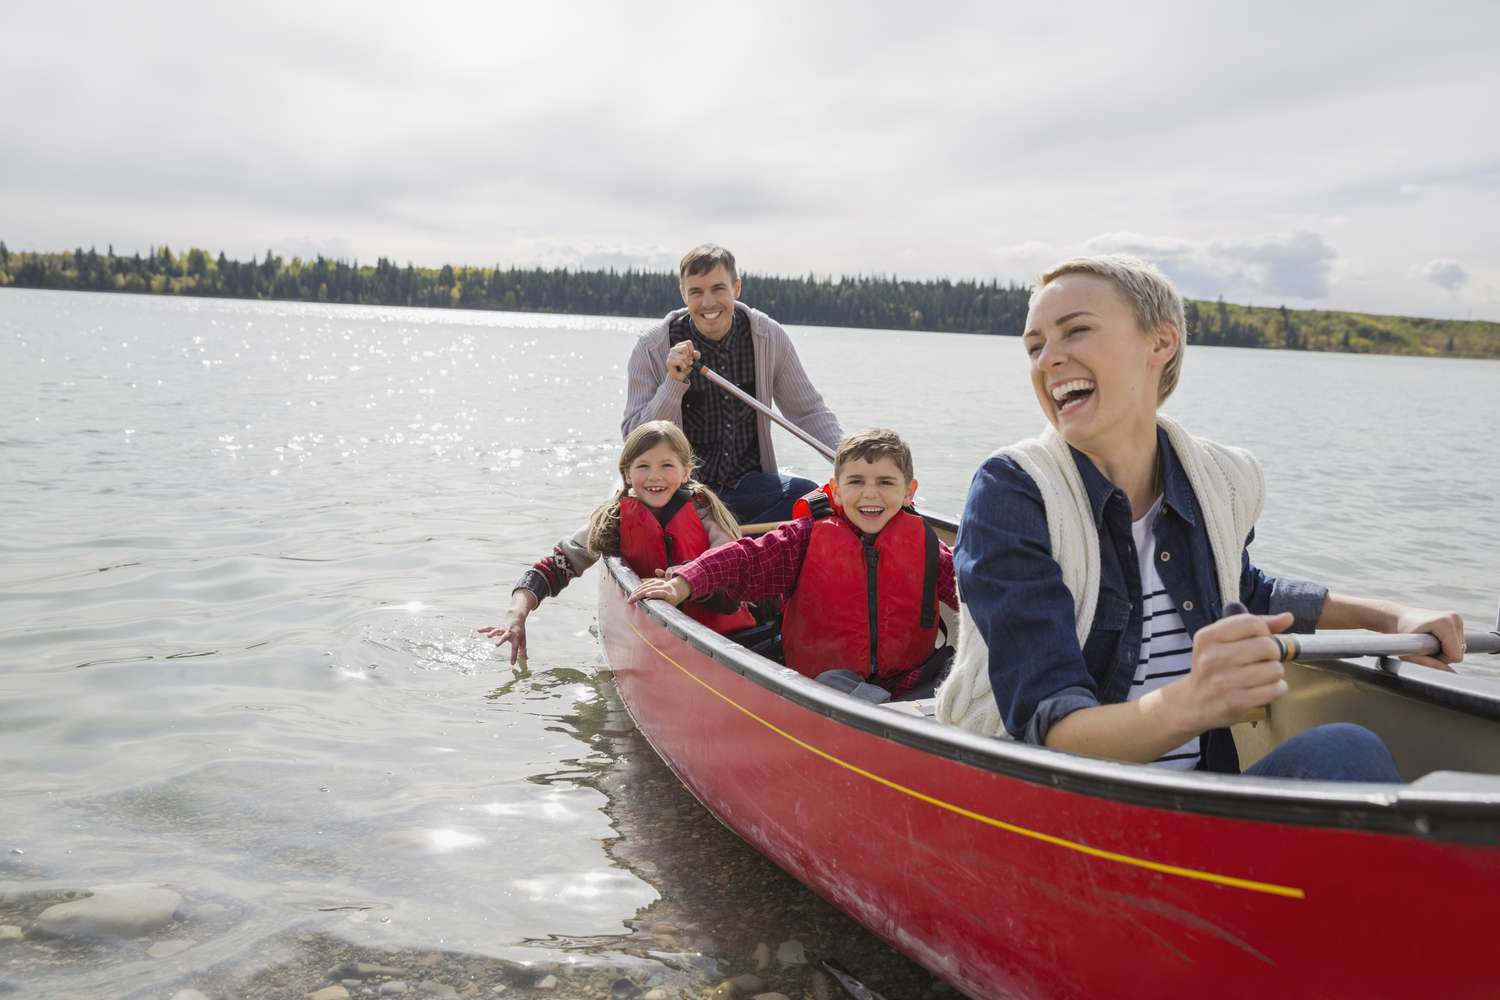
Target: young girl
659,517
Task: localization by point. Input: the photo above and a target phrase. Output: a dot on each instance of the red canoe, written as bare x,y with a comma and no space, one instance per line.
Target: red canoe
1015,871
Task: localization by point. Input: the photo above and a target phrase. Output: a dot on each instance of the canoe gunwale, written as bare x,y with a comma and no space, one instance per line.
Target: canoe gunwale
1447,814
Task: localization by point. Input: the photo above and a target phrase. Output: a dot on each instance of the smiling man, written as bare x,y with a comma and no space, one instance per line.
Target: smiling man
732,441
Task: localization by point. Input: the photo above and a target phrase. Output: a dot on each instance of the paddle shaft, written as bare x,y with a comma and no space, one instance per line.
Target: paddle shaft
755,404
1339,647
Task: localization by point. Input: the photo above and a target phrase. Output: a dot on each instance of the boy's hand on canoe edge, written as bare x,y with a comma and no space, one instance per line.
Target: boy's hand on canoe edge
673,591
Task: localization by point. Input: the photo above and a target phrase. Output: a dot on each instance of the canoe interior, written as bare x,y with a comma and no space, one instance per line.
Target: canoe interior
1431,721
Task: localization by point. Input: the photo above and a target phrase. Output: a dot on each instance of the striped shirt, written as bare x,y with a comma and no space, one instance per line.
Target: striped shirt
1166,647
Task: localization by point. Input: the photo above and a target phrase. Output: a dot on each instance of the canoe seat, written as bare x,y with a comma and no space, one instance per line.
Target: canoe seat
764,639
923,708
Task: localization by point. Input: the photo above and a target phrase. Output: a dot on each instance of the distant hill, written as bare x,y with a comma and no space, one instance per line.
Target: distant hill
873,302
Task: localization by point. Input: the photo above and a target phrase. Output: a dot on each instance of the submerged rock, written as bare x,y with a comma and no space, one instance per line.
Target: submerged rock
166,949
361,970
791,953
749,984
10,932
124,911
330,993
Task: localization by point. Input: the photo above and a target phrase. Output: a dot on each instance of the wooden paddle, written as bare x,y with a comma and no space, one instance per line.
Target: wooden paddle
761,527
758,406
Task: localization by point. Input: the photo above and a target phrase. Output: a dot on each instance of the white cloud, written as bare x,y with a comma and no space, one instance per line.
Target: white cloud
830,138
1292,265
1445,273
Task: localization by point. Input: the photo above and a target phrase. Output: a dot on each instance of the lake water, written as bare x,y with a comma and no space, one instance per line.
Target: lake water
246,545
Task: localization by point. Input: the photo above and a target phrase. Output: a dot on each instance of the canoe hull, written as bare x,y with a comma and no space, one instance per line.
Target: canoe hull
1009,887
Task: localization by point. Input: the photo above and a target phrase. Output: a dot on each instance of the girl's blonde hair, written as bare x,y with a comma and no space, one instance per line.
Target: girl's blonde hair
604,525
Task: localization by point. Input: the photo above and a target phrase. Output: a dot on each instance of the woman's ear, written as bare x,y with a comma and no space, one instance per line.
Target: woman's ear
1165,343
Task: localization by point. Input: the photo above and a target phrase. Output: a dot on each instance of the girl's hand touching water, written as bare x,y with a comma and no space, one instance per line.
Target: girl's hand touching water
522,603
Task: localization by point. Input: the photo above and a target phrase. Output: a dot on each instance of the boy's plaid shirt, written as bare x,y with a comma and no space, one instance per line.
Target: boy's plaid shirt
754,569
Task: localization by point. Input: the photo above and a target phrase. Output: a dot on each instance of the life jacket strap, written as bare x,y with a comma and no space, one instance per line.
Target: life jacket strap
664,515
929,576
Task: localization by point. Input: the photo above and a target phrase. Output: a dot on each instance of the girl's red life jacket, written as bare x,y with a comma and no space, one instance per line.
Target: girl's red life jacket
864,604
649,543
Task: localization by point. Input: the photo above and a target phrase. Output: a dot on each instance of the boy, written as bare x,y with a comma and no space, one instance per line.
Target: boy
861,576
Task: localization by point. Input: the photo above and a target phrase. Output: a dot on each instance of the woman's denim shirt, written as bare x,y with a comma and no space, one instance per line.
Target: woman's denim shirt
1014,592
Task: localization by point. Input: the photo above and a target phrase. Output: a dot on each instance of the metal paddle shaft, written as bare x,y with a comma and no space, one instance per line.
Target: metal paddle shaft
755,404
1340,647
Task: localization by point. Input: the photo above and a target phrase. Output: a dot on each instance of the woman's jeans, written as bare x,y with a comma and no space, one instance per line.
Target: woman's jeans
1340,751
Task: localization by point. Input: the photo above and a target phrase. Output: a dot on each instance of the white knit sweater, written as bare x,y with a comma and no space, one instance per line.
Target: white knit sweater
1230,488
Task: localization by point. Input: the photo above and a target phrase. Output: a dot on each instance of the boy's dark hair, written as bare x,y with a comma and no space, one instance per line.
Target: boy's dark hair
871,444
704,258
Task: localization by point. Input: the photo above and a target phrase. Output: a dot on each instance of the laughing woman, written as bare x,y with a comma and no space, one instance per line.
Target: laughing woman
1097,561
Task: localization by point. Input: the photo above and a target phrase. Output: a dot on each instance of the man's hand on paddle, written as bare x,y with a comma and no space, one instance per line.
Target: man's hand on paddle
522,603
680,360
673,591
1236,668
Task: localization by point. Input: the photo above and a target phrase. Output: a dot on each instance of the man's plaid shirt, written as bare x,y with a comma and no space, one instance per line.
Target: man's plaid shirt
721,428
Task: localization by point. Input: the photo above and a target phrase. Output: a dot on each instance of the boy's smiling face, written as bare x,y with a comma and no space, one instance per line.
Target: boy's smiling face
872,492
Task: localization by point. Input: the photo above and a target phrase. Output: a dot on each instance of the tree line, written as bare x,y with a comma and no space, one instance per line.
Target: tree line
876,302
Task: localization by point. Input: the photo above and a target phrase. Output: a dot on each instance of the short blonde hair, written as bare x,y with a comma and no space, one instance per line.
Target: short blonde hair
871,444
1150,294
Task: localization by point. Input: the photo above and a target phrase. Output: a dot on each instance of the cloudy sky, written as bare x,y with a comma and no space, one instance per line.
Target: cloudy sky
1335,155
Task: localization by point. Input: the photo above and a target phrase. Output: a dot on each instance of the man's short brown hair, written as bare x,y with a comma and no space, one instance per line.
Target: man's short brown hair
704,258
871,444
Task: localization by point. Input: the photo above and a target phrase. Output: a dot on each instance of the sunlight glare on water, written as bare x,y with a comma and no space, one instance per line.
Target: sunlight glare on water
249,544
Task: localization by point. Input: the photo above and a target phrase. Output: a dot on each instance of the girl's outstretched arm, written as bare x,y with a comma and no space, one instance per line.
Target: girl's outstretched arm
522,603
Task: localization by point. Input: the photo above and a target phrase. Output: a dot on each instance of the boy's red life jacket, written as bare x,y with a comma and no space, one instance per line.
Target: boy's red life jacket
649,543
864,604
